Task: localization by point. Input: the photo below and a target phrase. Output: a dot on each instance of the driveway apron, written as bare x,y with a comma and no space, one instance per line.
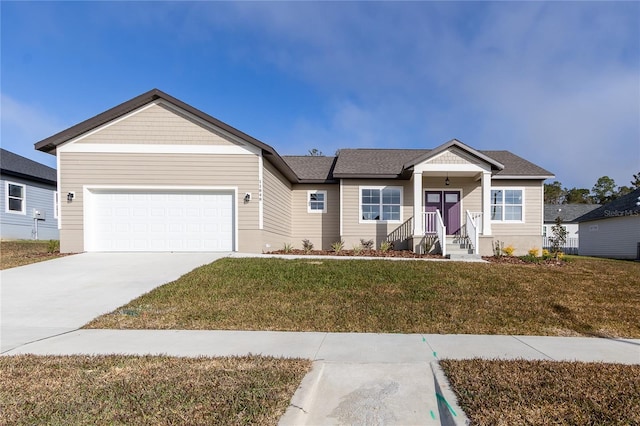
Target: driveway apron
61,295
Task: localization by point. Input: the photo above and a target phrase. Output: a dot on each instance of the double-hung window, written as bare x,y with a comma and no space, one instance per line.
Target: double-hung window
316,201
380,203
507,204
15,198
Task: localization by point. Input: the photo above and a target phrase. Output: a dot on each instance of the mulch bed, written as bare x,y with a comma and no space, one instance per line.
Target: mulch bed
514,260
362,253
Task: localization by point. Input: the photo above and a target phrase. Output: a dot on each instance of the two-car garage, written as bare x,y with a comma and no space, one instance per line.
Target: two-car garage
146,219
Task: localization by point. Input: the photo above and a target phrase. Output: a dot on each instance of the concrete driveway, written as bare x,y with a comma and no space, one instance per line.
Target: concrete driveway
61,295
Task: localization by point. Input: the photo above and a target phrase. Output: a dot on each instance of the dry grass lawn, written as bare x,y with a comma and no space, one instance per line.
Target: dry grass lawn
584,297
24,252
129,390
546,392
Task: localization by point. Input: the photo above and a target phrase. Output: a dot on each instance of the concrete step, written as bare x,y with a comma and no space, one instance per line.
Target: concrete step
463,256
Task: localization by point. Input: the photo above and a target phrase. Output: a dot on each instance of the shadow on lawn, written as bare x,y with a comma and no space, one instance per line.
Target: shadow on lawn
574,324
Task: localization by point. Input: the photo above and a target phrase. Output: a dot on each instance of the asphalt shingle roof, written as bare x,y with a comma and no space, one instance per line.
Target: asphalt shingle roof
567,212
17,165
311,168
623,206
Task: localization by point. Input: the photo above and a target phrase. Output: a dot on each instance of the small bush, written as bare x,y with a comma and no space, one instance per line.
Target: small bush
546,254
338,246
357,249
307,246
533,252
497,248
287,248
53,246
508,250
366,244
428,243
385,246
531,258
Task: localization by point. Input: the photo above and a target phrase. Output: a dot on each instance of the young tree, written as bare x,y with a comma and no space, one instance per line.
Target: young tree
558,237
553,193
604,190
315,152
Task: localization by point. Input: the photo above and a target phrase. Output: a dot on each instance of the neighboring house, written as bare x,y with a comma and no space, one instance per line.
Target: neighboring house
29,198
612,230
157,174
568,213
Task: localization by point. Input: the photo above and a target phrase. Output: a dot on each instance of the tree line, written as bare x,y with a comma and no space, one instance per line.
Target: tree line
603,192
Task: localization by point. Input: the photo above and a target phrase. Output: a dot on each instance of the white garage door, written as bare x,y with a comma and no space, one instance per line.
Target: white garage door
160,221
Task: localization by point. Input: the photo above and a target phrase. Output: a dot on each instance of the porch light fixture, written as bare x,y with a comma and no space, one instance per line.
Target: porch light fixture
71,196
447,182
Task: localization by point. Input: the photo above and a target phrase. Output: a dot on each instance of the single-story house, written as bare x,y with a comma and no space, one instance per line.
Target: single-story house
156,174
613,230
568,213
29,197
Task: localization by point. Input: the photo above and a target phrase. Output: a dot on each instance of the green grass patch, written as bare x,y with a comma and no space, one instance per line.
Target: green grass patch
493,392
25,252
591,297
129,390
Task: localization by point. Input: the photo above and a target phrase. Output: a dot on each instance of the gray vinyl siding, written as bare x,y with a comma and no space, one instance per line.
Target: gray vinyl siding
119,169
615,237
321,229
277,202
21,226
156,125
352,229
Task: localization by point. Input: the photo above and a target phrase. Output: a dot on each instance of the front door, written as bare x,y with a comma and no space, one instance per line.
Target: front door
448,202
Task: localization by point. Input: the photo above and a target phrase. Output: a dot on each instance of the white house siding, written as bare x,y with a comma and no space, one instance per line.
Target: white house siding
277,209
615,237
154,170
321,229
21,226
352,229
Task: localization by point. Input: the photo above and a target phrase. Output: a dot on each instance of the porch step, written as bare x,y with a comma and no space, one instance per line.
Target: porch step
456,250
463,256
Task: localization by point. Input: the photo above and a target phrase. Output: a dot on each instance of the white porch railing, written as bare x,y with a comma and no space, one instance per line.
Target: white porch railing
474,225
441,230
429,222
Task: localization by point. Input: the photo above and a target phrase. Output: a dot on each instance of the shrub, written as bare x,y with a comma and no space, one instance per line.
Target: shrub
307,246
287,248
545,254
558,237
497,248
337,246
366,244
531,259
53,246
385,246
533,252
357,249
508,250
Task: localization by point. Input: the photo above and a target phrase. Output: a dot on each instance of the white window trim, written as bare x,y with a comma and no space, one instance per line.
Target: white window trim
360,188
6,198
509,188
309,209
56,203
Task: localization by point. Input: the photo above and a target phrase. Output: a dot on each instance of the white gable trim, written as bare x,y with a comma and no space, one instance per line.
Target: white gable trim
159,149
428,166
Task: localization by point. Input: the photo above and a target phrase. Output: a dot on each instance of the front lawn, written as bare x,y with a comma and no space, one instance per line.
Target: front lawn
129,390
25,252
591,297
545,392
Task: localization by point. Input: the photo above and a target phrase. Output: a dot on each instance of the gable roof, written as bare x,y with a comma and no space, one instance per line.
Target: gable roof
49,144
627,205
452,144
312,169
567,212
349,163
19,166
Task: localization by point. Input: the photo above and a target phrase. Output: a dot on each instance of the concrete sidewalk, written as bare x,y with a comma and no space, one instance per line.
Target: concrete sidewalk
357,378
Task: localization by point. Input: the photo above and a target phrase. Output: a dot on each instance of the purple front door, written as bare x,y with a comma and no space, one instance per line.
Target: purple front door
448,202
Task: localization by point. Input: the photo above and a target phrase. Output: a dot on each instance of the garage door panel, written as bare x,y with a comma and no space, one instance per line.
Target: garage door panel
161,221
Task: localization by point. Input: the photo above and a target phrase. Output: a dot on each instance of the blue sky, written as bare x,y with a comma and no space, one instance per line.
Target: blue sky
556,83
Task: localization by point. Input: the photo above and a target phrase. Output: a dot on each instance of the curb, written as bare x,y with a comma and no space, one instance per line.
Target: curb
450,412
